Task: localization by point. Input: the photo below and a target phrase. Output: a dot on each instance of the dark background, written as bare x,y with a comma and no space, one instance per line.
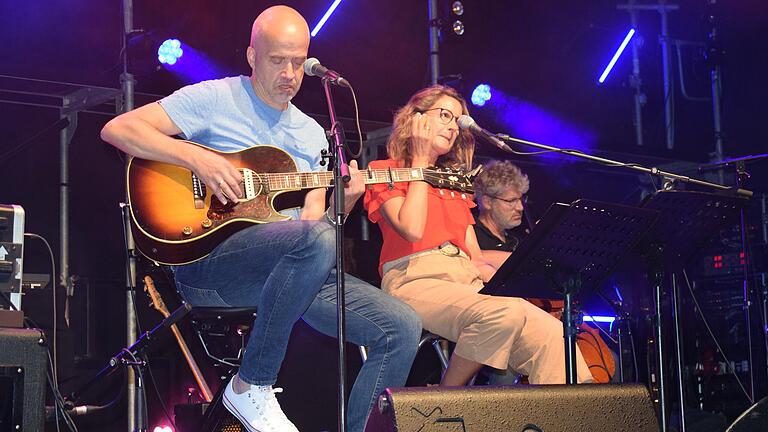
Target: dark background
541,58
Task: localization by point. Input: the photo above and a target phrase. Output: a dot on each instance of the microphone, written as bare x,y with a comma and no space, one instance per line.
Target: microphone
466,122
312,67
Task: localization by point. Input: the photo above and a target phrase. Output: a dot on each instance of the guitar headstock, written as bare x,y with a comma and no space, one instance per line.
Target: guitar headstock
157,300
447,178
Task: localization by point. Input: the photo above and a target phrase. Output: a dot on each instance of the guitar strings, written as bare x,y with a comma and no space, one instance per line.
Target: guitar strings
399,174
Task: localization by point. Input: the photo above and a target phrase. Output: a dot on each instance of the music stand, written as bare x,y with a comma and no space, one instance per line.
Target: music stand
572,247
687,219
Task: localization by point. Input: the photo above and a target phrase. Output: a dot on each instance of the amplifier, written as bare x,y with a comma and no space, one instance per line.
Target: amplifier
23,360
11,251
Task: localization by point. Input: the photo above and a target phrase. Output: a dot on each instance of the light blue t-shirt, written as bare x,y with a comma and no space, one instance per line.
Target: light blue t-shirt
226,115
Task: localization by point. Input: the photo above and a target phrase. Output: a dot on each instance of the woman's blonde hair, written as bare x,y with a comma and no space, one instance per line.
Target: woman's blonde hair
398,144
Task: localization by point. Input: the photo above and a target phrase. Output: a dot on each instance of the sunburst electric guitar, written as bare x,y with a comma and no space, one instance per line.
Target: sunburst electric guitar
175,220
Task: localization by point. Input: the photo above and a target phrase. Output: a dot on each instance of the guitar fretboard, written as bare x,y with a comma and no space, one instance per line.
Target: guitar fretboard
309,180
255,183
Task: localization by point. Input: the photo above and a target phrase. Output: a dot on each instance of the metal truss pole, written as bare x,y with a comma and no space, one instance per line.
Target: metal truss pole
434,42
669,95
127,83
65,138
635,81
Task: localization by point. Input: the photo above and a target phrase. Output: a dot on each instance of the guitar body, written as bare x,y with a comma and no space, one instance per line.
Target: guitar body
174,225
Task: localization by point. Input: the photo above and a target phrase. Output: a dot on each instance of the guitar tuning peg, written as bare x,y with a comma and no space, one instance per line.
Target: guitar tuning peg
475,172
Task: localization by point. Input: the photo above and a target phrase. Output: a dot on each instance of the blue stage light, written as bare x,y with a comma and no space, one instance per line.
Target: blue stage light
325,17
616,56
481,94
599,318
169,52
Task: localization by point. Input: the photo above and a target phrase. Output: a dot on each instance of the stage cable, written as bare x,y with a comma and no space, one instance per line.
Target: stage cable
359,130
53,291
52,373
58,400
57,125
714,339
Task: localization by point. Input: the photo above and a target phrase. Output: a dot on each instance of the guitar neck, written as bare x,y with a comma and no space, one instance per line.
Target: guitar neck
311,180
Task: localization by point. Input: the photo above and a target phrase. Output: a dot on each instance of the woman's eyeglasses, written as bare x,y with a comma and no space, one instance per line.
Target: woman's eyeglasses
445,115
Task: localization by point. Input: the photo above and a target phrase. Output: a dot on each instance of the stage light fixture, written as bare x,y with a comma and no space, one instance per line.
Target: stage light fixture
458,27
325,17
616,56
163,428
169,52
457,8
481,94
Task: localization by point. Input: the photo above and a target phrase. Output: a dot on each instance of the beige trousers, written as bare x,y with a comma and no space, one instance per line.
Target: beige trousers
495,331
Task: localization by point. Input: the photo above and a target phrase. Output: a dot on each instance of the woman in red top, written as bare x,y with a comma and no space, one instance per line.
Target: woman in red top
431,260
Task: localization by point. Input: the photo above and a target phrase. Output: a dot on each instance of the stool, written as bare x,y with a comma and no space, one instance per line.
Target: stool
223,333
442,350
219,324
440,346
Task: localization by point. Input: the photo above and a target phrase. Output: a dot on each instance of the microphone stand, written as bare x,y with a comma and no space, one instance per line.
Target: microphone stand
340,176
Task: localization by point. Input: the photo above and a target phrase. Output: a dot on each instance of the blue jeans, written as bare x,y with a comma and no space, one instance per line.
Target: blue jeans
278,268
285,269
388,327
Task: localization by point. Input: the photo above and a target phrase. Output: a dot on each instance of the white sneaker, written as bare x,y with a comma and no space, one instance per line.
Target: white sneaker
258,409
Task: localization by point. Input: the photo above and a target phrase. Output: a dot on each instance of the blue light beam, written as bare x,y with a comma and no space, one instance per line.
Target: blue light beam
325,17
616,56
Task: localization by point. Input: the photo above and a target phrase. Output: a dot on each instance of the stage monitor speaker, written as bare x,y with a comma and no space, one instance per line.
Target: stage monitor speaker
550,408
23,360
753,419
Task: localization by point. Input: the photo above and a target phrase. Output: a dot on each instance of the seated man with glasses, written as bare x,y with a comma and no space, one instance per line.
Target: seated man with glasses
500,195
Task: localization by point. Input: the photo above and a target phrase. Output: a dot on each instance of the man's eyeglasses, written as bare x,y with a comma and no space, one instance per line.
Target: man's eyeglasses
445,115
514,201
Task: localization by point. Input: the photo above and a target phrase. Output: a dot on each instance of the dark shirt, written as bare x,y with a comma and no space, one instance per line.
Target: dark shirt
488,241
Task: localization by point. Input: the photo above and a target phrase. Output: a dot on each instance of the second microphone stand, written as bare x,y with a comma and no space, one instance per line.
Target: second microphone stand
340,177
667,177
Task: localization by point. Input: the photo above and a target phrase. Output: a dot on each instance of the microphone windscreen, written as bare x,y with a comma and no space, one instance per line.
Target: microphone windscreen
465,122
309,64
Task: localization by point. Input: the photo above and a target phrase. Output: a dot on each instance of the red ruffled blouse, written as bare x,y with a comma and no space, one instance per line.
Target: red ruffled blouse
448,216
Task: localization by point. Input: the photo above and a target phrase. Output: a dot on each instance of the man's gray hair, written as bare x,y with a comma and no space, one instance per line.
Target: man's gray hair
497,177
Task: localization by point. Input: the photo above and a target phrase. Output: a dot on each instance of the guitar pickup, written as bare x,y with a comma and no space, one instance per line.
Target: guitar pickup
198,192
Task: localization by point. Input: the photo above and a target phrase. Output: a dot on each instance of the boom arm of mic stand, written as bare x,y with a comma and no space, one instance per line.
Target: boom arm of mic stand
733,161
633,166
134,349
